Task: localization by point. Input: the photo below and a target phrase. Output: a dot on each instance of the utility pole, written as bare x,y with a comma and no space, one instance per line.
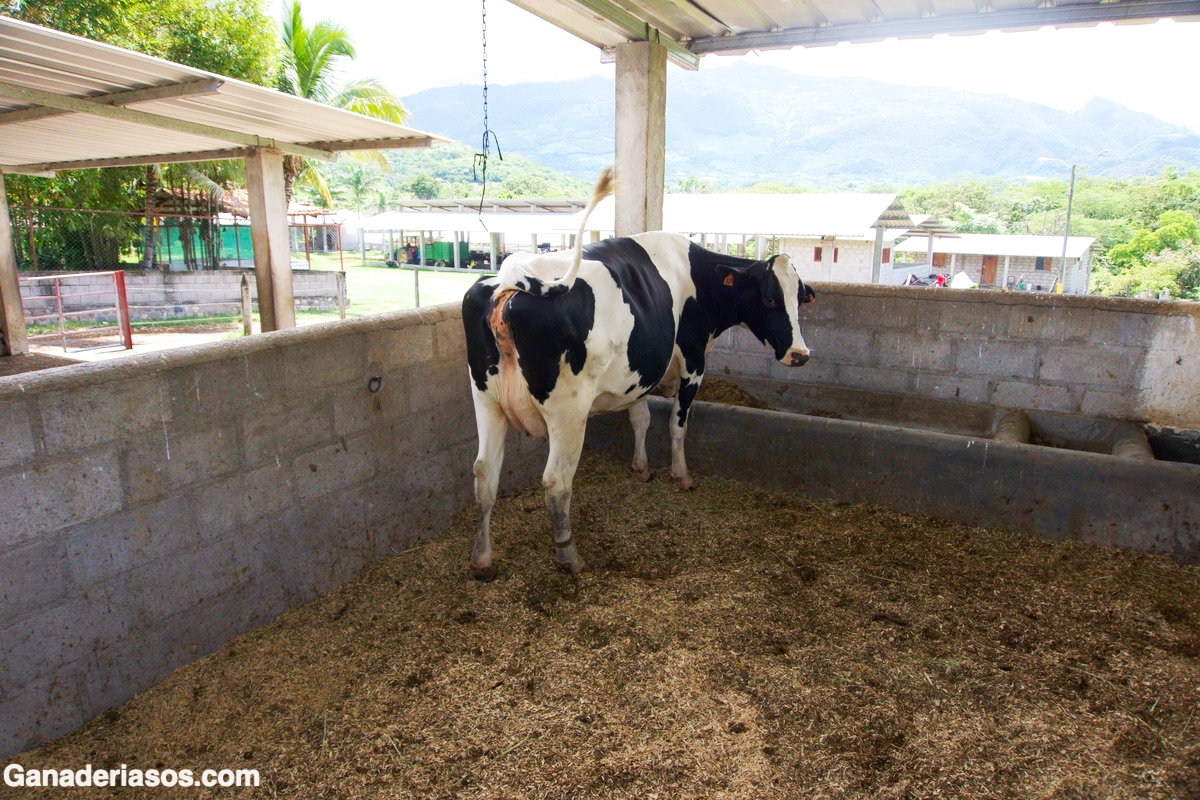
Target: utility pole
1062,267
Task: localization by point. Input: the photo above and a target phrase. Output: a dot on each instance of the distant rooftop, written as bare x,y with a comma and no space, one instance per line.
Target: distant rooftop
845,215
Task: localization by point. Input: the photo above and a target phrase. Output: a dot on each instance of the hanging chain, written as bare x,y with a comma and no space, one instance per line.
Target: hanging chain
479,166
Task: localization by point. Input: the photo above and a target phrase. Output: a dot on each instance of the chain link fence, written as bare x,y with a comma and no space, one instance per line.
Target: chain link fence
84,240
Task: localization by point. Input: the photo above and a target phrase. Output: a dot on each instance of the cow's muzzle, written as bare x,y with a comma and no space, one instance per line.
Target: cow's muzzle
795,358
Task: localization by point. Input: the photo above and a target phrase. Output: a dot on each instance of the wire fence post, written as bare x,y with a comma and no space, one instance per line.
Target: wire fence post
247,308
123,310
341,294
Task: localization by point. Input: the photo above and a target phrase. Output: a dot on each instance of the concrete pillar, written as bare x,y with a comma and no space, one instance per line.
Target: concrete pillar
457,259
641,135
1005,283
533,243
269,231
421,249
760,247
877,257
12,314
929,255
494,249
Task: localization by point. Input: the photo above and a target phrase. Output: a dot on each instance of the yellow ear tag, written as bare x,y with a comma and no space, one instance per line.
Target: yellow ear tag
728,280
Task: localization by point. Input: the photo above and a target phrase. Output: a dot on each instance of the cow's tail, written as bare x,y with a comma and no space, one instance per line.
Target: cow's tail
552,288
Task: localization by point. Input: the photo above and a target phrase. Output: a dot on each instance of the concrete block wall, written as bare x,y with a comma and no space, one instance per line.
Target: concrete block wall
157,295
156,506
1109,358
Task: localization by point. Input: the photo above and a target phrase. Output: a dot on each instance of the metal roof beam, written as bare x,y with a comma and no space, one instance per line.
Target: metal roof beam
129,115
132,161
35,171
169,91
1016,19
395,143
639,31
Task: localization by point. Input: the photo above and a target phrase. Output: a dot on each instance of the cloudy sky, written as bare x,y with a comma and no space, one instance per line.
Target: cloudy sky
412,45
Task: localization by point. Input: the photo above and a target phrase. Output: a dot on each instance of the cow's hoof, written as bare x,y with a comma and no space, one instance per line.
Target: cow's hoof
644,474
572,567
685,484
486,574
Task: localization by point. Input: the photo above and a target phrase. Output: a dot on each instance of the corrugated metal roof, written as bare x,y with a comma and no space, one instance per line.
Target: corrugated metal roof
732,26
995,244
801,215
36,60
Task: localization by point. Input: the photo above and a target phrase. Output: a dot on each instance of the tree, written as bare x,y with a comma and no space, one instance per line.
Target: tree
229,37
523,185
692,185
310,60
358,182
425,187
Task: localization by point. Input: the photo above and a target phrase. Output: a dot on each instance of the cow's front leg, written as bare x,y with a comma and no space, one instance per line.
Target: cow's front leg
639,418
493,427
680,413
566,443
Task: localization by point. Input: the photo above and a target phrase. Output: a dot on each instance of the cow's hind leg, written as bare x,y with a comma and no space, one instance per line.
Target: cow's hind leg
680,413
566,443
639,418
493,427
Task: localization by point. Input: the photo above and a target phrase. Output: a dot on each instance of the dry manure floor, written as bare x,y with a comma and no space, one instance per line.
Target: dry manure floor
727,642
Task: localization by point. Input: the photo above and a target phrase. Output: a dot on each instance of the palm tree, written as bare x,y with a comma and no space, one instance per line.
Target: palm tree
311,55
358,183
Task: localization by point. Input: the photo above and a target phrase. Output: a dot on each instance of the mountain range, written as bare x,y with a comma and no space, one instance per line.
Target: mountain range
745,123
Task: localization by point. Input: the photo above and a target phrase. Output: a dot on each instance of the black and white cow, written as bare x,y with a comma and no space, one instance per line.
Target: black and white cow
628,317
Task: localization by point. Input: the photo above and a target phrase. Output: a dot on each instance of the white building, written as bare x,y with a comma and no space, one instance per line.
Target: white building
1016,263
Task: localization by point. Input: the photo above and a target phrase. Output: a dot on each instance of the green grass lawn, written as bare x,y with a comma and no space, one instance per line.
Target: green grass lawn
374,289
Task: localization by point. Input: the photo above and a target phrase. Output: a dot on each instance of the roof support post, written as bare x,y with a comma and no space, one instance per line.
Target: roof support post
877,257
12,313
268,230
641,106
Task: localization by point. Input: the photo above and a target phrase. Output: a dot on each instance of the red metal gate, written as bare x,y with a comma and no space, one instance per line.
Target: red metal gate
59,298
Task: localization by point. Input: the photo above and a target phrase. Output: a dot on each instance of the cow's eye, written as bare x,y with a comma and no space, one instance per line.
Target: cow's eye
769,302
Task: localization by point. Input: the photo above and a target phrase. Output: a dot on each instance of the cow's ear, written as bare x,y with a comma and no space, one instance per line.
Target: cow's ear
809,295
729,276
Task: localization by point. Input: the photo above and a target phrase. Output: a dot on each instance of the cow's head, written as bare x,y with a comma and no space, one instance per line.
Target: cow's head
769,305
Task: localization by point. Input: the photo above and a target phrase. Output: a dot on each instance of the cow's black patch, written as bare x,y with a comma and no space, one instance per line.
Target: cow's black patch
546,330
648,296
687,393
693,335
483,357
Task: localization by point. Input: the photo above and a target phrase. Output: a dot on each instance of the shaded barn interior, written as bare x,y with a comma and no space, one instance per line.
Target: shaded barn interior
727,642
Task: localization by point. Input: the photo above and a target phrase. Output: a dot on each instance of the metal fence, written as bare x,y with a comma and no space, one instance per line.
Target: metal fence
86,310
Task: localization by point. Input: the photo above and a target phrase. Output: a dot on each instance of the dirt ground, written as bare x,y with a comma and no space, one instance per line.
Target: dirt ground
726,643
